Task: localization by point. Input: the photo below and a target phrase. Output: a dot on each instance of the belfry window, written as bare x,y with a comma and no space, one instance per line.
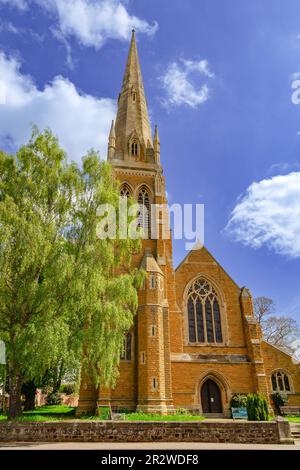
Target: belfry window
280,382
134,149
203,312
126,349
144,211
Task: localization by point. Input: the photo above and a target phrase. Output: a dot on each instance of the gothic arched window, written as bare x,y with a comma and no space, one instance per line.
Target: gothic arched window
144,211
125,191
134,148
280,382
203,311
126,349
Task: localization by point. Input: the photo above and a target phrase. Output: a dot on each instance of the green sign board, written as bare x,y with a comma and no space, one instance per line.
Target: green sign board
239,413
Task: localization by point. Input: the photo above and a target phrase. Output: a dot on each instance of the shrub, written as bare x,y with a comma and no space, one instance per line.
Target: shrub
54,399
122,410
68,389
257,407
238,401
279,399
104,412
181,411
46,390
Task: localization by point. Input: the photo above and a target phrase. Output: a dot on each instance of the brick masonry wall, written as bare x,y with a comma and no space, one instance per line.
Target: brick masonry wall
120,431
275,359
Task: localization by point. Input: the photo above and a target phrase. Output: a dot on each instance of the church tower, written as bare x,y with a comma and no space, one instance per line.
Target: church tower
135,157
145,370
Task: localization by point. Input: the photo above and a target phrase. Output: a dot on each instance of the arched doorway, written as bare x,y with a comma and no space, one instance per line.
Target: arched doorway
211,397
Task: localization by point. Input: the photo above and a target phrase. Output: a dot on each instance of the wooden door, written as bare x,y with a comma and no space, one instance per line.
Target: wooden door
211,397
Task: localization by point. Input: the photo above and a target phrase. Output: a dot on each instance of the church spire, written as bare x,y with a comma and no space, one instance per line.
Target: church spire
132,128
133,74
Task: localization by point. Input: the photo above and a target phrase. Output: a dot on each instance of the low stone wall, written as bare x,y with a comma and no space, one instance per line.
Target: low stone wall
120,431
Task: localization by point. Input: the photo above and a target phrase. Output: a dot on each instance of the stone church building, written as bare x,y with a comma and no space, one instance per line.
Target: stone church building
195,341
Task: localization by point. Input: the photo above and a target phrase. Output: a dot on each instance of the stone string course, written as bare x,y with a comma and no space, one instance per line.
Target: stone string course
120,431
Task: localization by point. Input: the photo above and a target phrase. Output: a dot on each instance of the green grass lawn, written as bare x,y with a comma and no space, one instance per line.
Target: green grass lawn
293,419
56,410
156,417
46,413
61,412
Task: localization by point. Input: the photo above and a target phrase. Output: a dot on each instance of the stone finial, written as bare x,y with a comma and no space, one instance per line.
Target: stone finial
156,145
111,141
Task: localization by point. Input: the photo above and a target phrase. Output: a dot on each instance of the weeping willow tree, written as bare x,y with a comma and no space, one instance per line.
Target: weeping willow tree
61,293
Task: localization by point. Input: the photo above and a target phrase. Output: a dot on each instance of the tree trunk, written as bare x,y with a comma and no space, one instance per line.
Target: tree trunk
29,390
15,387
58,378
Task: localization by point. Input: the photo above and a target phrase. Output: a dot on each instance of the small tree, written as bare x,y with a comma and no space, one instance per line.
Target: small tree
60,289
279,399
257,407
281,331
68,389
54,398
263,306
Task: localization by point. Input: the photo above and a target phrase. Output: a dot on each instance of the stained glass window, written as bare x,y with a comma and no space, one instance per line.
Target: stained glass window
280,382
204,316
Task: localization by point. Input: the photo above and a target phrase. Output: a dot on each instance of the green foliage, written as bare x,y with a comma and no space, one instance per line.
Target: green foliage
54,399
104,412
257,407
181,411
238,401
68,389
60,291
279,399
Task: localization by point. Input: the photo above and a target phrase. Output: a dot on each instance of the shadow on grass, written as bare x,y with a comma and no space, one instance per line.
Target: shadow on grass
46,413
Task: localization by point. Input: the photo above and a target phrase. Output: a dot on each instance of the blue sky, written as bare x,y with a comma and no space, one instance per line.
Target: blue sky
218,76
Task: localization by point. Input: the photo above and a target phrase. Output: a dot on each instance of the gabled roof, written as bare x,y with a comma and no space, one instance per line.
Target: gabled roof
209,253
282,351
149,263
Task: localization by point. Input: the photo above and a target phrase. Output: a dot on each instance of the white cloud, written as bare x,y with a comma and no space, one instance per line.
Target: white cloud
8,27
269,214
179,85
80,121
21,4
283,167
91,22
200,66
